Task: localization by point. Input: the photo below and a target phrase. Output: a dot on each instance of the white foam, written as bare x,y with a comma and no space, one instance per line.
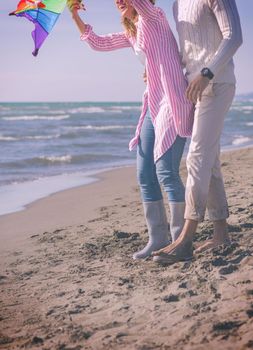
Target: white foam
36,117
240,140
7,138
105,127
42,137
36,137
56,112
57,159
126,108
86,110
242,108
249,124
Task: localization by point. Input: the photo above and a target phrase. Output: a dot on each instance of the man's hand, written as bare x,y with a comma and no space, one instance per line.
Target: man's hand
196,87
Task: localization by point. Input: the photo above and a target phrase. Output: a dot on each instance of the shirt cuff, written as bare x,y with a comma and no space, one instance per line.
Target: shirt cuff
86,34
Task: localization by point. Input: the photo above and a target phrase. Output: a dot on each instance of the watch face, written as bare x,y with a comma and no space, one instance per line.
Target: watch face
205,71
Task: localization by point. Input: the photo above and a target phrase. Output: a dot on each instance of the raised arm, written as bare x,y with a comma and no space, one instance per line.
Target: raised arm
100,43
107,42
228,20
146,9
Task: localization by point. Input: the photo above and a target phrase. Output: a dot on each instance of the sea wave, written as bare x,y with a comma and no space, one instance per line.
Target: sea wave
56,159
47,160
42,137
241,140
86,110
126,108
8,138
36,106
23,138
36,117
249,124
97,127
3,108
59,111
242,108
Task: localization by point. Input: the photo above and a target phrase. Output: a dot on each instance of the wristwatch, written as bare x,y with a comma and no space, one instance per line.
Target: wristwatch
206,72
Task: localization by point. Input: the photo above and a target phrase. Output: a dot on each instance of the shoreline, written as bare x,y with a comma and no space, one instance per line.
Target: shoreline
16,226
54,184
72,201
77,179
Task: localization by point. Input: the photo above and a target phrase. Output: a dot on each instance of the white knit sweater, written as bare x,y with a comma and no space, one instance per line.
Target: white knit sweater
209,35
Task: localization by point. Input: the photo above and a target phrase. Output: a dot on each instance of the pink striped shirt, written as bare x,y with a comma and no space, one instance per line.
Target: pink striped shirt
171,113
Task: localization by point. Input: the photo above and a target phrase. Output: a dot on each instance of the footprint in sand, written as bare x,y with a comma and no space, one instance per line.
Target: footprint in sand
182,285
121,234
79,334
250,344
226,326
234,228
37,341
219,262
227,270
250,313
3,278
4,340
171,298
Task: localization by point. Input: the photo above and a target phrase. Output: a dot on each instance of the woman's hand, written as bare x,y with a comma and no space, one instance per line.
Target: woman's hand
74,6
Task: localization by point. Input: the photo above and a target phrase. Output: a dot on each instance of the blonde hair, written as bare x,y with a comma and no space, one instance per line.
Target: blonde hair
129,25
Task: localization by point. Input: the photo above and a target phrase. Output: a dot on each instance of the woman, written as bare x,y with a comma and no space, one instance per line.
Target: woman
160,134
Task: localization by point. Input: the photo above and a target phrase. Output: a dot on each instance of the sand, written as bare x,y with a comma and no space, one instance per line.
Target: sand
68,281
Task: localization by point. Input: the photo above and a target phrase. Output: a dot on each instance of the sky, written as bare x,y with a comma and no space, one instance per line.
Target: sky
66,69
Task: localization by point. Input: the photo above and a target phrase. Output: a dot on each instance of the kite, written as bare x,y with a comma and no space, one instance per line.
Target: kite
44,14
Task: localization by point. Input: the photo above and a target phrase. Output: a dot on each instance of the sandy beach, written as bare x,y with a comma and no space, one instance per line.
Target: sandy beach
68,281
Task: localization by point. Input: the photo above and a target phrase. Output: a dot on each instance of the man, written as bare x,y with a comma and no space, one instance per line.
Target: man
209,35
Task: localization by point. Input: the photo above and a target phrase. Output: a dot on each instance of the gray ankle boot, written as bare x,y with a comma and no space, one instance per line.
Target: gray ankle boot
176,219
157,228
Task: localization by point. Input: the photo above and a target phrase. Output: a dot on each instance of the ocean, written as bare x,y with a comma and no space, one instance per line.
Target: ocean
49,147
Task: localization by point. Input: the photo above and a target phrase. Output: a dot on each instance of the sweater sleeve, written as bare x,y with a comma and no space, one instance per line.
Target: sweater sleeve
226,14
146,9
175,15
107,42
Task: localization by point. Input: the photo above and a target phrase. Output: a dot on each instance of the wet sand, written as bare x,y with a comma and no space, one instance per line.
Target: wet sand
68,281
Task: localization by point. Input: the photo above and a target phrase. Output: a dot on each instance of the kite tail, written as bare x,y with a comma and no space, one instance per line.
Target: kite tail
35,52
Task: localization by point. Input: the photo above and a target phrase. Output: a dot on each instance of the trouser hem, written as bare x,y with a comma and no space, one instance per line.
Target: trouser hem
216,215
213,215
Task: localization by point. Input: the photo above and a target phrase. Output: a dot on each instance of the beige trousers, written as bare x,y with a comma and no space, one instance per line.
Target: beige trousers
204,186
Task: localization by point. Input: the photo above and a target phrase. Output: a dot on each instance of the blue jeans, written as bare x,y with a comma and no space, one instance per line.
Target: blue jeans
164,172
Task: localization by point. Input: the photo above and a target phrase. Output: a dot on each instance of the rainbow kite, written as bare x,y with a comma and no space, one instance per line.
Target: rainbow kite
44,14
